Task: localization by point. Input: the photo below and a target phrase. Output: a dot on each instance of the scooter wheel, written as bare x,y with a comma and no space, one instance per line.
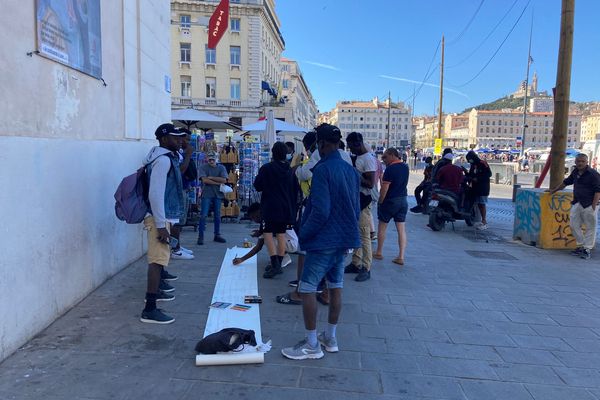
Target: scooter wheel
436,220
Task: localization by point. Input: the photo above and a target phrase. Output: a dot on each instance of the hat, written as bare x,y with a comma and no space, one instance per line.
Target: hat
328,133
211,155
449,156
168,129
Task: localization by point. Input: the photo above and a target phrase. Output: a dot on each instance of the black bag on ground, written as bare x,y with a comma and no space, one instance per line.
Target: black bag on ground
225,340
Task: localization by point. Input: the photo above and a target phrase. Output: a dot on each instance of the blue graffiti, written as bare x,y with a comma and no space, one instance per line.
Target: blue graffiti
527,216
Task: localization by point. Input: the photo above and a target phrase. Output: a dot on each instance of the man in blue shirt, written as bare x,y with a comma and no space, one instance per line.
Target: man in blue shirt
392,202
329,228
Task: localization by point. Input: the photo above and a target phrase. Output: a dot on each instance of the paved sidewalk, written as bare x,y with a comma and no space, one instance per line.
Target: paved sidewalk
465,318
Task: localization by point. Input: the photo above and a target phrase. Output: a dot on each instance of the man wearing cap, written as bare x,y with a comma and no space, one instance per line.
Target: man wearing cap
329,228
450,176
212,176
165,195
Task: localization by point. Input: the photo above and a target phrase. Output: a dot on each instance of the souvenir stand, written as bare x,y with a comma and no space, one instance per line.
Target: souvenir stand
253,155
230,159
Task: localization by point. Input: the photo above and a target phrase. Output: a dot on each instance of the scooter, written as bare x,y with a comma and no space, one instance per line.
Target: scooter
446,206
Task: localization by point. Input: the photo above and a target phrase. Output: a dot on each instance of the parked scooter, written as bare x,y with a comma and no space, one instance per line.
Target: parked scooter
446,206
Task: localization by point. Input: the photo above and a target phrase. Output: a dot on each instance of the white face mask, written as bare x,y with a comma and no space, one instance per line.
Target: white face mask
288,157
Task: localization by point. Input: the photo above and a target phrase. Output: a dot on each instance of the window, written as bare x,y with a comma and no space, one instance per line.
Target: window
487,130
286,83
211,55
534,130
235,24
186,86
186,52
235,89
494,123
487,122
480,130
481,123
570,123
236,55
211,88
185,21
546,124
286,68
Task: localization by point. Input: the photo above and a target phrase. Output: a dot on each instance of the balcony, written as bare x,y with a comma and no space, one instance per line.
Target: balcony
204,102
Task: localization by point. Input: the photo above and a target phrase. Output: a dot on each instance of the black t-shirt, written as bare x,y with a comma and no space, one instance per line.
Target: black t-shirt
585,186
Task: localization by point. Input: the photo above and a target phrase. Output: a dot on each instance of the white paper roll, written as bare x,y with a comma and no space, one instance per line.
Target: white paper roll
230,359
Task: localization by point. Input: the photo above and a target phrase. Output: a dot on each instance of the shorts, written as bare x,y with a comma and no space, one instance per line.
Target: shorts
481,200
275,227
395,208
158,252
319,264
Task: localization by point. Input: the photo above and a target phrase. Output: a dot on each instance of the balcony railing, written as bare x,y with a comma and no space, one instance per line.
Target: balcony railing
192,101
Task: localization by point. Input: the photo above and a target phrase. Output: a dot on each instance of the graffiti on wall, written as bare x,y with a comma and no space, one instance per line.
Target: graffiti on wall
527,216
559,205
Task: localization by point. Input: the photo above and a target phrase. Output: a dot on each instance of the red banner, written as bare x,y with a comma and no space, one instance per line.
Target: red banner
218,24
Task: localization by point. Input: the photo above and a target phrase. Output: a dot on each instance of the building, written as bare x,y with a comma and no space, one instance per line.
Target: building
426,131
504,128
532,90
371,119
297,105
89,124
541,104
590,127
456,132
323,118
238,78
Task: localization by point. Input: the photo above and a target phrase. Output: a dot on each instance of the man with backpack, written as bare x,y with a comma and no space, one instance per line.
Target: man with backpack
165,198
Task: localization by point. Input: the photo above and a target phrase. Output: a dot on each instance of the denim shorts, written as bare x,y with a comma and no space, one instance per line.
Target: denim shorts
481,200
319,264
395,208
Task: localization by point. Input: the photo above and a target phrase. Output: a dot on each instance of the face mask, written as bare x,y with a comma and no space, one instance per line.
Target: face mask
288,157
471,161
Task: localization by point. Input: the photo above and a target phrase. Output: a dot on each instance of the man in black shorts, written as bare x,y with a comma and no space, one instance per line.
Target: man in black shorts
392,202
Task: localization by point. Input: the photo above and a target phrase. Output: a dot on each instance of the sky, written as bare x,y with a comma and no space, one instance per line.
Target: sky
356,50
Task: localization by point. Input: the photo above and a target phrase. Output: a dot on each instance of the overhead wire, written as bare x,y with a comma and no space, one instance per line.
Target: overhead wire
462,33
497,50
486,38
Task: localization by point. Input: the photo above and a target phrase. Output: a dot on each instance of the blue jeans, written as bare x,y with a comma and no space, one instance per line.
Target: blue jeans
205,204
319,264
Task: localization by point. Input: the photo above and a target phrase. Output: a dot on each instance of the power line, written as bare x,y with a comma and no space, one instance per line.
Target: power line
498,49
487,37
461,34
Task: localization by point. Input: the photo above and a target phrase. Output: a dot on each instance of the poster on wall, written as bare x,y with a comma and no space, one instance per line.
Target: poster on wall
68,31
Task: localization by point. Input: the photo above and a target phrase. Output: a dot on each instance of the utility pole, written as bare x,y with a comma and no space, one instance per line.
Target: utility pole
387,139
526,89
441,92
562,94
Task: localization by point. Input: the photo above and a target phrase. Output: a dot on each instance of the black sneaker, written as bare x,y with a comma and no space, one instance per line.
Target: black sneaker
352,269
585,254
162,296
168,277
293,283
271,272
416,209
220,239
200,240
577,252
165,287
363,275
156,316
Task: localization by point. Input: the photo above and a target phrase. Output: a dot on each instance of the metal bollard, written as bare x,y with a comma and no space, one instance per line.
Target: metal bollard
535,179
497,180
514,194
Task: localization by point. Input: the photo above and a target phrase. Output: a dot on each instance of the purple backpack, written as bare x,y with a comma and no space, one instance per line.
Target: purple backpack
131,197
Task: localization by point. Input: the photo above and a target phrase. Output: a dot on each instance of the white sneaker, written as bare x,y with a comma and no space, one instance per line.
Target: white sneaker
186,250
287,260
181,255
481,227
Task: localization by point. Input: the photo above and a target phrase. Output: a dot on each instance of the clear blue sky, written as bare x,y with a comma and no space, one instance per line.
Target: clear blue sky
345,47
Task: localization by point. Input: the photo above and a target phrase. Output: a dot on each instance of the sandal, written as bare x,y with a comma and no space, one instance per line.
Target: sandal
398,261
287,299
377,256
321,300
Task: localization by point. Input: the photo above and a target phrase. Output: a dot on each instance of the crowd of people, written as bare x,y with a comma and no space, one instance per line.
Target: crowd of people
324,201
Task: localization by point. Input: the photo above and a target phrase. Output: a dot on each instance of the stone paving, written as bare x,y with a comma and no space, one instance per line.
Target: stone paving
465,318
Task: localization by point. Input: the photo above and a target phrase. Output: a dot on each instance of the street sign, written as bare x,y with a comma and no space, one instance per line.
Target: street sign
437,149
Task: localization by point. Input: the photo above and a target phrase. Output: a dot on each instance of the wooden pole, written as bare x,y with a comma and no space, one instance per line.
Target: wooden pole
439,135
562,93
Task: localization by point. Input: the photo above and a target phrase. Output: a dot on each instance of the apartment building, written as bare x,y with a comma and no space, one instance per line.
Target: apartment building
238,78
296,105
371,119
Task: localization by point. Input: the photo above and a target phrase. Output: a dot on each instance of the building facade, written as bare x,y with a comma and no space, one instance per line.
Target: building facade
426,131
296,105
541,104
371,119
503,129
590,127
72,143
456,132
238,78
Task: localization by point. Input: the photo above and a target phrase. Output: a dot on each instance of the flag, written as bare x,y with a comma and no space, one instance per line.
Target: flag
218,24
530,60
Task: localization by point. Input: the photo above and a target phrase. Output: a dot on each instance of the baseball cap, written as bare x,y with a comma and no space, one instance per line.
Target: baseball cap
168,129
354,137
328,133
211,156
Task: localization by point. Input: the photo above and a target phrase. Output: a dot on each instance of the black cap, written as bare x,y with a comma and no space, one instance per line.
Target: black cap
354,137
328,133
168,129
